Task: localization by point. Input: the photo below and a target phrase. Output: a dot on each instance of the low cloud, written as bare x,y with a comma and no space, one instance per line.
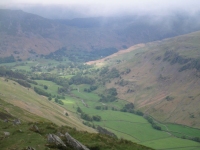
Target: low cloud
93,8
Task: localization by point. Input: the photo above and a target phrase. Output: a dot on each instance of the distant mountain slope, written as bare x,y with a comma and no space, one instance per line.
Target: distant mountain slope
24,35
164,78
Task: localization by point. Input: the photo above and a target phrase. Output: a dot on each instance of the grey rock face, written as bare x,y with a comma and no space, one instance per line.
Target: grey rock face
30,148
54,139
6,120
60,134
16,122
6,133
35,128
74,143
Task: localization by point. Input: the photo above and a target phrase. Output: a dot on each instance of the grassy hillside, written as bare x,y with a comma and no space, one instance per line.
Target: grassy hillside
163,80
28,137
28,100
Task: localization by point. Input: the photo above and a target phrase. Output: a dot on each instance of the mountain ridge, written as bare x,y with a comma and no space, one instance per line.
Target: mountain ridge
25,35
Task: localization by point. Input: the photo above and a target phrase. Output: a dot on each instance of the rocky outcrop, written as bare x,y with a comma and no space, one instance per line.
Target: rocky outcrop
35,128
16,122
55,140
30,148
74,143
6,134
60,134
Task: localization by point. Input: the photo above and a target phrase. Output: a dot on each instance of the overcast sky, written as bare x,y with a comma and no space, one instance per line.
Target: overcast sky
111,7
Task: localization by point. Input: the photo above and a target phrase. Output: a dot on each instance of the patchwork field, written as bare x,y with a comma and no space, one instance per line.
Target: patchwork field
136,128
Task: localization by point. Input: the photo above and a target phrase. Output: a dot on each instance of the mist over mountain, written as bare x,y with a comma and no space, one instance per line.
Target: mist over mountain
127,70
44,36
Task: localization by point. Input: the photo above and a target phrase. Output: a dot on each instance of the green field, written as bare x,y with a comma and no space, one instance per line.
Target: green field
131,126
181,130
172,143
52,87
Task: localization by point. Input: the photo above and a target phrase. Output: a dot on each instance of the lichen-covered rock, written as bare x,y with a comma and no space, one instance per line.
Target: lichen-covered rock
74,143
54,139
16,122
6,133
60,134
35,128
30,148
6,120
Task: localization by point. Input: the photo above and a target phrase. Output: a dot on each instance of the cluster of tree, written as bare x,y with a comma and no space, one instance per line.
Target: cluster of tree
96,118
113,73
63,90
8,59
122,82
51,77
151,121
77,55
169,98
78,65
101,107
56,97
109,95
139,113
41,92
12,74
105,72
130,90
92,88
32,81
79,110
128,108
196,139
104,131
45,87
112,91
88,117
107,98
114,109
89,124
23,83
59,101
78,79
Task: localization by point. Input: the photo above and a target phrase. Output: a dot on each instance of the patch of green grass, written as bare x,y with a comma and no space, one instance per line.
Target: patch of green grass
181,130
172,143
85,95
70,103
25,67
52,87
140,131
